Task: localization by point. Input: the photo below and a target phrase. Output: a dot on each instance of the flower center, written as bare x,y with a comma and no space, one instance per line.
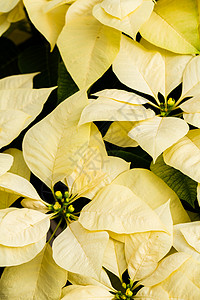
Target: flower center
166,108
63,206
127,294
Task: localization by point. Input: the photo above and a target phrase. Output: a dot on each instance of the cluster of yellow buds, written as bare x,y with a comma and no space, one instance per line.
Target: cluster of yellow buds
127,294
62,205
166,108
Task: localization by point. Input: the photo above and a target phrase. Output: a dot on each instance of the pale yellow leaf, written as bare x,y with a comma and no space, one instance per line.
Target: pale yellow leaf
89,292
173,25
102,281
20,168
21,227
183,283
17,82
192,119
155,293
17,13
174,65
185,155
122,96
53,158
105,109
6,6
39,278
116,208
133,15
186,238
91,47
13,256
144,250
114,258
49,23
80,251
4,24
192,105
11,124
165,268
191,78
29,101
154,191
120,8
139,68
117,134
157,134
16,185
6,161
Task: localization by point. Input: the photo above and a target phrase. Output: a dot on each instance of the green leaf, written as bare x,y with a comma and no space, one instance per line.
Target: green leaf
182,185
137,158
8,58
66,85
38,58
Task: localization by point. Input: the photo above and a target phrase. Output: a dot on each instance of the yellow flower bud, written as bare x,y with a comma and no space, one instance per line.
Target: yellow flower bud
124,285
70,208
68,215
170,102
57,206
58,195
129,293
66,194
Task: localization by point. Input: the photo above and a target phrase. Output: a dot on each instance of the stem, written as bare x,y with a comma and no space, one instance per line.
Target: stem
151,103
54,231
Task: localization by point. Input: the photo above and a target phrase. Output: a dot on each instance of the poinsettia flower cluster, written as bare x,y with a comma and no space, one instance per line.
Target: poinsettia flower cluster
103,230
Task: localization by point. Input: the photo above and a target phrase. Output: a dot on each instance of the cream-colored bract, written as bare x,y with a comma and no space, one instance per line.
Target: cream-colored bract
125,16
174,26
23,234
10,12
161,283
149,70
48,17
29,280
15,183
185,155
88,41
144,250
154,191
186,238
19,105
177,276
91,28
80,251
54,157
125,214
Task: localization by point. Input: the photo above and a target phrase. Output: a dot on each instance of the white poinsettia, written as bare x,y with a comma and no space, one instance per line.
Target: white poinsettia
124,15
19,105
39,278
48,16
10,12
176,277
151,71
91,27
23,234
61,20
14,179
186,238
75,156
173,25
185,155
159,282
